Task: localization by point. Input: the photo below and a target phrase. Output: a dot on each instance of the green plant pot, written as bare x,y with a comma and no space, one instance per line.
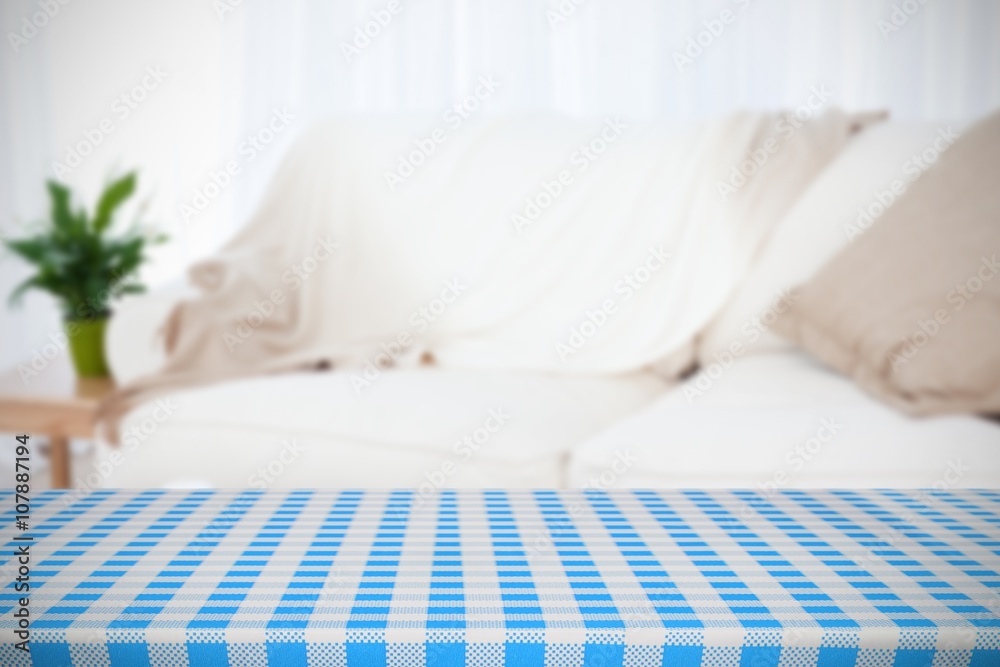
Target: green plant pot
86,346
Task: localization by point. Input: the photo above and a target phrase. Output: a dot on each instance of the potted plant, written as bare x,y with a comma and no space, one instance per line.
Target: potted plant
85,266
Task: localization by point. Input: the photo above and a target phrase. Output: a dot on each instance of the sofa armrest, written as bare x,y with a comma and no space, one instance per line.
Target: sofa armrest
134,341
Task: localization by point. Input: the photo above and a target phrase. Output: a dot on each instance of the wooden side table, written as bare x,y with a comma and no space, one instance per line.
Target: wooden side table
53,403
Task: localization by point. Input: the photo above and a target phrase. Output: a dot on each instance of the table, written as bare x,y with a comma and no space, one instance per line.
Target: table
50,400
493,577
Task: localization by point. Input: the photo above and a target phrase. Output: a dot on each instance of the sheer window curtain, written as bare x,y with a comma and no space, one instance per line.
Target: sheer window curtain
635,58
233,70
615,56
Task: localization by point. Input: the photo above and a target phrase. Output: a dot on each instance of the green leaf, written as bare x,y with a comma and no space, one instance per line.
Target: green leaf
116,193
62,217
82,264
43,281
34,250
18,293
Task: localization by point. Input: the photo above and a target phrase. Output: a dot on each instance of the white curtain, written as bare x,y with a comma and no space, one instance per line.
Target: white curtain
618,56
638,58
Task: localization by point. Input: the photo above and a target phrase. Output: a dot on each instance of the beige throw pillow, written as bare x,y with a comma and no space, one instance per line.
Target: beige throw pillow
911,309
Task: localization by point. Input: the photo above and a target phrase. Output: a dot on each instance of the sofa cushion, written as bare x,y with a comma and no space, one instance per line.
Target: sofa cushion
845,200
911,310
783,421
410,427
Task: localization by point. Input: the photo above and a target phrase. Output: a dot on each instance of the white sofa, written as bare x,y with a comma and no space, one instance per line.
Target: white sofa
766,417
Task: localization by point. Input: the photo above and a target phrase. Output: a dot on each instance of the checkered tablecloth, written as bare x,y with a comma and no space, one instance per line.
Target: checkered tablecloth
676,578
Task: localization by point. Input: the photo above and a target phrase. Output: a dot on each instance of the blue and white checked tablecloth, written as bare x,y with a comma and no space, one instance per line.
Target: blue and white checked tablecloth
676,578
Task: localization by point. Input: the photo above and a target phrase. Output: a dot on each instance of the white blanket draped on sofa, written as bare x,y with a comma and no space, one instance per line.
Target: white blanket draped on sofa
538,244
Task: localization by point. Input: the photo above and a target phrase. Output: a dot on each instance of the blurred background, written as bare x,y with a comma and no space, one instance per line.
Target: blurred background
176,90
